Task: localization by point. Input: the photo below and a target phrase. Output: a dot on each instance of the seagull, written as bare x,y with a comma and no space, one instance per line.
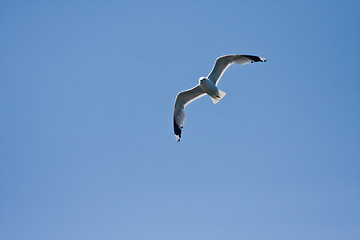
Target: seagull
207,85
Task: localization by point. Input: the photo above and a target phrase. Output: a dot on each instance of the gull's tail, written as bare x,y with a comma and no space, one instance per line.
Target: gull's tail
216,99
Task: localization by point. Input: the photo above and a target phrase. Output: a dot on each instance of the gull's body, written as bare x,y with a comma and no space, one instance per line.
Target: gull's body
207,85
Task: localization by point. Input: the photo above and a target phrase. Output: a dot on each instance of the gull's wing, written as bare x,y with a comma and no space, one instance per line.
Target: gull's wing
182,100
222,63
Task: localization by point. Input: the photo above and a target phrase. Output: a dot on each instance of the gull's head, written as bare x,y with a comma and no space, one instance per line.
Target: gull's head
202,79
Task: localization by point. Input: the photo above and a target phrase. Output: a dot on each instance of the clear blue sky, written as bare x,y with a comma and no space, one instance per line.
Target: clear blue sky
87,149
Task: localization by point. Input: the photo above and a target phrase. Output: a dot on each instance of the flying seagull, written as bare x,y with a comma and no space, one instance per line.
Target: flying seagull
207,85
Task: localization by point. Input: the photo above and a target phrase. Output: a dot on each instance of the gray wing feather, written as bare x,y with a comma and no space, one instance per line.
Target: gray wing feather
182,100
222,63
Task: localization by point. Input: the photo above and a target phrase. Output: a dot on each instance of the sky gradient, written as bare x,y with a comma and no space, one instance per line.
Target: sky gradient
87,149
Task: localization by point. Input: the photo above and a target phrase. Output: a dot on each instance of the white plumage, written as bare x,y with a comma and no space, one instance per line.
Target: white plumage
207,85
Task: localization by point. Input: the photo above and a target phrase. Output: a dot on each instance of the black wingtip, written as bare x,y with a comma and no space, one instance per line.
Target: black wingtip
255,58
177,130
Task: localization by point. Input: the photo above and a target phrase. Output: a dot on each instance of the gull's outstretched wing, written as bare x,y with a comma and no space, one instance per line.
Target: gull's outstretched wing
222,63
182,100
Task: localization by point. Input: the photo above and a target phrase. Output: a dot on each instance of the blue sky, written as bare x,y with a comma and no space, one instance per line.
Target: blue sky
87,149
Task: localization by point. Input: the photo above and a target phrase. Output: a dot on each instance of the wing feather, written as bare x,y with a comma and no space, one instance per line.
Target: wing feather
222,63
182,100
